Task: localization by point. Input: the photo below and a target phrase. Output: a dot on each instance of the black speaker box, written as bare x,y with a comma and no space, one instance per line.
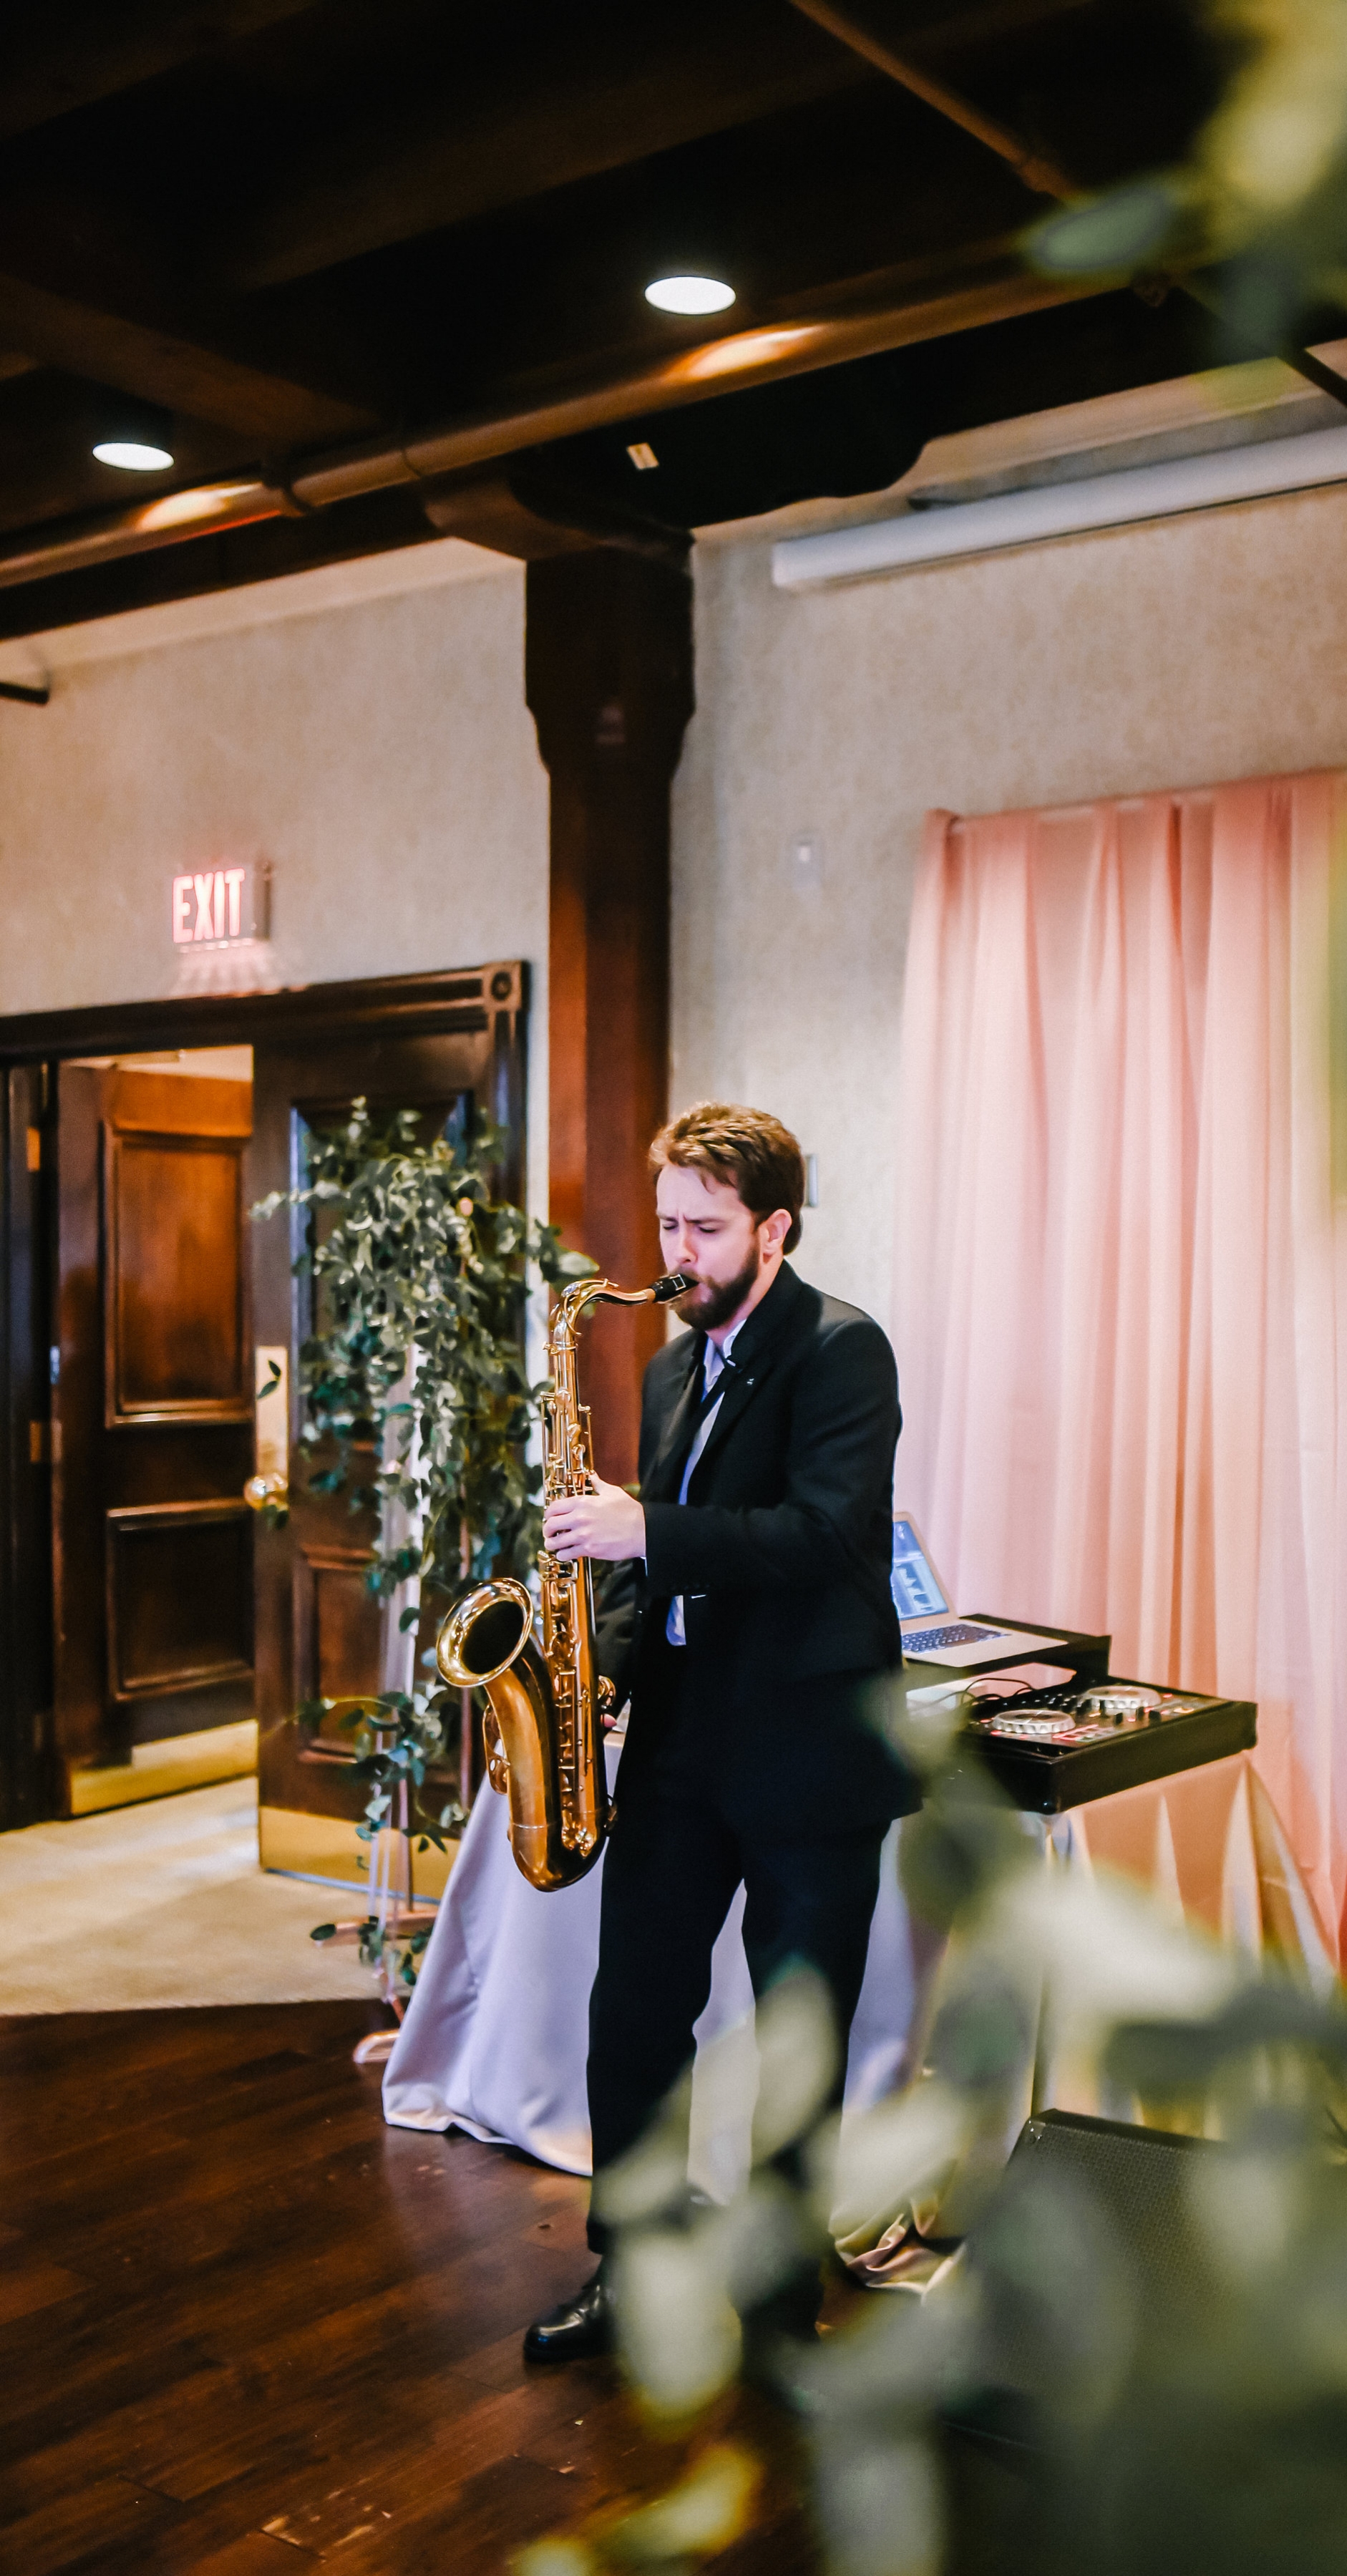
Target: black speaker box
999,2469
1140,2180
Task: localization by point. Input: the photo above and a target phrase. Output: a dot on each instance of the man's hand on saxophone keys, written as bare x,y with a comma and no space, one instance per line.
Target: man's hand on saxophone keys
608,1523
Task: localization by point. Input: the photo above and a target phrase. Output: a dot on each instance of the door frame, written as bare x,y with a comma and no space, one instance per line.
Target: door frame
485,1006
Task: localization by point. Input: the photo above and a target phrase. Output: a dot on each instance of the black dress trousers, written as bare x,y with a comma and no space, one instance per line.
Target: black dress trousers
673,1864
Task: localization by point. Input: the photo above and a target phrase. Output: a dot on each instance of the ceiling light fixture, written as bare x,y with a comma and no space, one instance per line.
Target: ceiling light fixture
689,294
133,455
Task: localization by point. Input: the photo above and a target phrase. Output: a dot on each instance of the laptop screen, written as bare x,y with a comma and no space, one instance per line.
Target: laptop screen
916,1588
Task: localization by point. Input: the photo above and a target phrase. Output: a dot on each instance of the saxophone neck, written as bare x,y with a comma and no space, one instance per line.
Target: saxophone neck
570,1306
572,1301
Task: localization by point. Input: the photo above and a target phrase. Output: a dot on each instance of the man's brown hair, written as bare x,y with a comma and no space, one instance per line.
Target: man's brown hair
748,1148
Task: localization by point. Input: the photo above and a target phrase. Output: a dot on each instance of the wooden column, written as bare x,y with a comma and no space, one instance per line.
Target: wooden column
609,682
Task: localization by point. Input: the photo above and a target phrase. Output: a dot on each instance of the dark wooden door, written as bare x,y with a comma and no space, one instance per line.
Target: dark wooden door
319,1629
152,1411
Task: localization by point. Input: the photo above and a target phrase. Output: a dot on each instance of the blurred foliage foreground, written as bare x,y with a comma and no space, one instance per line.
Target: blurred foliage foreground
1066,2394
416,1404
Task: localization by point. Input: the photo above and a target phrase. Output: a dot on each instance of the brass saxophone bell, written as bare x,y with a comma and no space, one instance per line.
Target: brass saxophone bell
485,1632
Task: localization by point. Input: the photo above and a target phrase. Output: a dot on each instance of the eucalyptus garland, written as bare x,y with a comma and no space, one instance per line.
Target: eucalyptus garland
416,1399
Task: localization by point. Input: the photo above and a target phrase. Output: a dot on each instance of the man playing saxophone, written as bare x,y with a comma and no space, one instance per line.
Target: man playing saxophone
757,1612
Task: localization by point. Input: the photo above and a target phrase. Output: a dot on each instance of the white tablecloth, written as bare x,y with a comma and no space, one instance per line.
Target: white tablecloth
496,2034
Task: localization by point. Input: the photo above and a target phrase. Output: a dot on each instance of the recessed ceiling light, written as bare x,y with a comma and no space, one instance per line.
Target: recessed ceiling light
133,455
689,294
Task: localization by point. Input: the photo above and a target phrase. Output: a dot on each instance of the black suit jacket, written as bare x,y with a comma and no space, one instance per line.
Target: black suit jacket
782,1553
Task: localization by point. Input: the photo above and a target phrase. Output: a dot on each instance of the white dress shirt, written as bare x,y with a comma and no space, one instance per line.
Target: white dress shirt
714,1368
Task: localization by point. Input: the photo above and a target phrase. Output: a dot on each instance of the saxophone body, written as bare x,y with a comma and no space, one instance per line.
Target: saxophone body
546,1698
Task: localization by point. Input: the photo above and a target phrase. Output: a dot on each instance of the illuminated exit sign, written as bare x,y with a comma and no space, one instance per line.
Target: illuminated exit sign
216,906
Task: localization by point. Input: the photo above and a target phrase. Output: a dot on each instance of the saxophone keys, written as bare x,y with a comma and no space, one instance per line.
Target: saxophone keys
497,1767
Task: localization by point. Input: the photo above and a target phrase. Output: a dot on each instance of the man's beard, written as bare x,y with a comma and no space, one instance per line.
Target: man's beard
706,1308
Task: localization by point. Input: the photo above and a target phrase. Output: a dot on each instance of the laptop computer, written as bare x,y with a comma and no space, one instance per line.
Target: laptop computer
932,1631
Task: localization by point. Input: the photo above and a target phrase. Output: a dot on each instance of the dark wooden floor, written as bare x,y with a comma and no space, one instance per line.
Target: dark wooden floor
240,2318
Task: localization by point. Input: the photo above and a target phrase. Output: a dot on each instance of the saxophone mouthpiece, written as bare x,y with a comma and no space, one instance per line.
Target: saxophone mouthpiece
673,1284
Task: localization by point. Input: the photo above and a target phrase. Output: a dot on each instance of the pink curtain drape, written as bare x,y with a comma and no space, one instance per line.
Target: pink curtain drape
1121,1265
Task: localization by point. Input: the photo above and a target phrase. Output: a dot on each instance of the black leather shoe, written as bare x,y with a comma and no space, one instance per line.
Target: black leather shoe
581,2325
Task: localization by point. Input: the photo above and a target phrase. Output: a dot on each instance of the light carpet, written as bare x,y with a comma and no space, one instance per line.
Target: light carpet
163,1904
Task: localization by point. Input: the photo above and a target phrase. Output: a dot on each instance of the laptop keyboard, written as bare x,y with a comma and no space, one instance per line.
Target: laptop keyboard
959,1633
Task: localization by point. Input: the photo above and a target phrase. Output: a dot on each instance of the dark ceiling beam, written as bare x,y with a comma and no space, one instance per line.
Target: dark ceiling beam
73,56
554,120
164,367
822,225
79,293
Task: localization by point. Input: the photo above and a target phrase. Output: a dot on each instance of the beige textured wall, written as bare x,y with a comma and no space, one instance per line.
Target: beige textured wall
377,752
1197,649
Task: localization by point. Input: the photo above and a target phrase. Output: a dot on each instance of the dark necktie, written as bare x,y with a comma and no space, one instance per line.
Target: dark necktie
690,1412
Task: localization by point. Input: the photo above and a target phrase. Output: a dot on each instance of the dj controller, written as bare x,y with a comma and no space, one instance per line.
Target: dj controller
1054,1748
1078,1732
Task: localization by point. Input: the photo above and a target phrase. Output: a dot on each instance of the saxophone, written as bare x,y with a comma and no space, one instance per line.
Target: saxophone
543,1729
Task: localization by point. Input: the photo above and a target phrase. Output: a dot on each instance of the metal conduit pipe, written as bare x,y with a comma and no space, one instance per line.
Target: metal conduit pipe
1002,290
78,543
992,288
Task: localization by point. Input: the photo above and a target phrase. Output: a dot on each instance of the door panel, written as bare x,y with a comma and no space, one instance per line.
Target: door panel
339,1638
174,1288
179,1598
29,1790
338,1629
319,1631
152,1418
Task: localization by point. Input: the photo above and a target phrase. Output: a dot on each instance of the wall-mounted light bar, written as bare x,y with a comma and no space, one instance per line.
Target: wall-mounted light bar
946,532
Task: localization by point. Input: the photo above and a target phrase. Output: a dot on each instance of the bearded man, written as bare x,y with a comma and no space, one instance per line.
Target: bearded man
756,1615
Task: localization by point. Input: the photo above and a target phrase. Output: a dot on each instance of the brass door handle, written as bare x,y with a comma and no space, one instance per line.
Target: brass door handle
266,1492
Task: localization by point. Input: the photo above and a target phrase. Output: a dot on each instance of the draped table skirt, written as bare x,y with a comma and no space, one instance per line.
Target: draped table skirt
497,2030
496,2034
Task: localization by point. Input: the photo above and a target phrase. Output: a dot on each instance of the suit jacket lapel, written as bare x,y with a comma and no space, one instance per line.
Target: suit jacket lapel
755,1353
